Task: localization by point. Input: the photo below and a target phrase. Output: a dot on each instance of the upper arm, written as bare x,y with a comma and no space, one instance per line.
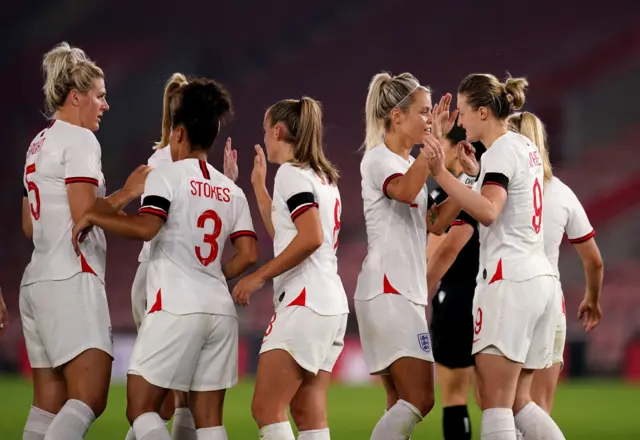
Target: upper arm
297,191
589,253
500,169
156,202
82,171
243,235
578,227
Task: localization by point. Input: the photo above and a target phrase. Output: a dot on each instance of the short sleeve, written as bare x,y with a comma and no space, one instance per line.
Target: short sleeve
500,166
243,225
82,159
158,194
381,170
578,227
295,189
438,195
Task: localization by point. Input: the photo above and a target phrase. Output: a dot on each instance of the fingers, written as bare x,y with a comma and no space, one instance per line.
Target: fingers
227,146
74,242
234,155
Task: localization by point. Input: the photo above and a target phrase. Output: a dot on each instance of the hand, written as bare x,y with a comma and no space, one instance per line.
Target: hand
135,181
467,158
80,231
4,315
230,165
259,173
245,288
590,313
434,154
443,121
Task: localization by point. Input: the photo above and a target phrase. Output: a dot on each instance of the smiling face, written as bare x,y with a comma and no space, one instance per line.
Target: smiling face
473,121
92,104
414,121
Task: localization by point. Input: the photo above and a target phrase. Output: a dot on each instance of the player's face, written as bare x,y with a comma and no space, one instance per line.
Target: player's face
92,105
271,143
469,119
415,122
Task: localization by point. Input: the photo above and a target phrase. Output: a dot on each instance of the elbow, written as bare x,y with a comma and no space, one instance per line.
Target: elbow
487,219
596,264
437,230
405,197
313,243
145,234
251,257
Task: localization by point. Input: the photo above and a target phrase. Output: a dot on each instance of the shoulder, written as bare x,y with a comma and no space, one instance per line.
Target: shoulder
160,156
73,136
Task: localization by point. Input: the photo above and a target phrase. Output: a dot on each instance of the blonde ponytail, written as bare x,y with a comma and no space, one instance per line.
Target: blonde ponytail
176,81
531,127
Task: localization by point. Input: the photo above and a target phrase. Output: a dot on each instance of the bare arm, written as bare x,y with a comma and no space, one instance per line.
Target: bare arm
485,207
307,240
439,217
27,225
446,253
589,309
405,188
246,254
264,205
432,244
140,226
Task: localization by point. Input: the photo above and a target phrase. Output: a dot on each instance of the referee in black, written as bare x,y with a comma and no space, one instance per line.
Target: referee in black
451,279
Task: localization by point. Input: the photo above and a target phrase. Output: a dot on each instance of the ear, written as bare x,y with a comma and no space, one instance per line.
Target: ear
180,134
74,97
279,131
395,116
484,113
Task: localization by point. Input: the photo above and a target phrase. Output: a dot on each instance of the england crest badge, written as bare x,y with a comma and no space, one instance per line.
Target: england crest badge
425,342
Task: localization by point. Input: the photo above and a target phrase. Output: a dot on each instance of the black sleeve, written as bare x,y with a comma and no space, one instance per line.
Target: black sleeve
155,205
496,179
301,202
439,195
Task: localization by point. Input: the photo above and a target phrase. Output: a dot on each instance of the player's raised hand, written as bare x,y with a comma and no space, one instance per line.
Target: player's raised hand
434,154
135,181
245,288
443,119
589,313
259,173
4,315
230,165
467,158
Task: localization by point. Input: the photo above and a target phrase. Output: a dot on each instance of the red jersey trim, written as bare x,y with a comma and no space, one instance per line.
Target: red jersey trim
90,180
583,238
153,211
239,234
387,181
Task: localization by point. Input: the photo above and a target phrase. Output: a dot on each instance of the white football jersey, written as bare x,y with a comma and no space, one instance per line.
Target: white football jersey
315,282
396,261
202,208
159,157
512,248
563,213
61,154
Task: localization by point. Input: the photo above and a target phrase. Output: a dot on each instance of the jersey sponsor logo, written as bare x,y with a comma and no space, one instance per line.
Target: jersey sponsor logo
424,340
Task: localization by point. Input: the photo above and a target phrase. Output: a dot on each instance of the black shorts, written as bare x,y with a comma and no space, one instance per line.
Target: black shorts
452,326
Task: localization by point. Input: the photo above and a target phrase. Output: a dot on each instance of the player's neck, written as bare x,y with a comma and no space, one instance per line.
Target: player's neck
398,145
497,129
69,116
198,154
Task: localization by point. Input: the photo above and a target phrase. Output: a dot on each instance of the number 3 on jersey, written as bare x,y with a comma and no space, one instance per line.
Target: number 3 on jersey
35,210
536,220
209,239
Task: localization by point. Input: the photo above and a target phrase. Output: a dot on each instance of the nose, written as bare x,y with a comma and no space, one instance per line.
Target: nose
105,107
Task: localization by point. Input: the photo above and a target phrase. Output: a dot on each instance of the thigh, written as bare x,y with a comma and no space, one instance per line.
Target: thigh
309,405
498,380
38,357
143,397
88,377
73,316
167,349
391,327
139,294
206,407
413,379
217,364
454,384
543,386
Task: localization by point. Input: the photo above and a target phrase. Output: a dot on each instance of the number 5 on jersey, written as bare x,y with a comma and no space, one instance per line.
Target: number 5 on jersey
210,239
35,210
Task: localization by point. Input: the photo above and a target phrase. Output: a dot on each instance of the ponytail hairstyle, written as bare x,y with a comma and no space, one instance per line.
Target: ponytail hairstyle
176,81
201,107
530,126
303,121
66,68
484,90
385,94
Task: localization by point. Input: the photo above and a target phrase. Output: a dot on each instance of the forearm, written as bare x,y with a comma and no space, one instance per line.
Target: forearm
115,201
412,182
594,274
236,266
294,254
438,266
264,206
440,217
124,226
475,204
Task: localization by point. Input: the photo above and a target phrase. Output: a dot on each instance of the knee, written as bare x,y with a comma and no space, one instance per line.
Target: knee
97,402
423,400
264,412
308,418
